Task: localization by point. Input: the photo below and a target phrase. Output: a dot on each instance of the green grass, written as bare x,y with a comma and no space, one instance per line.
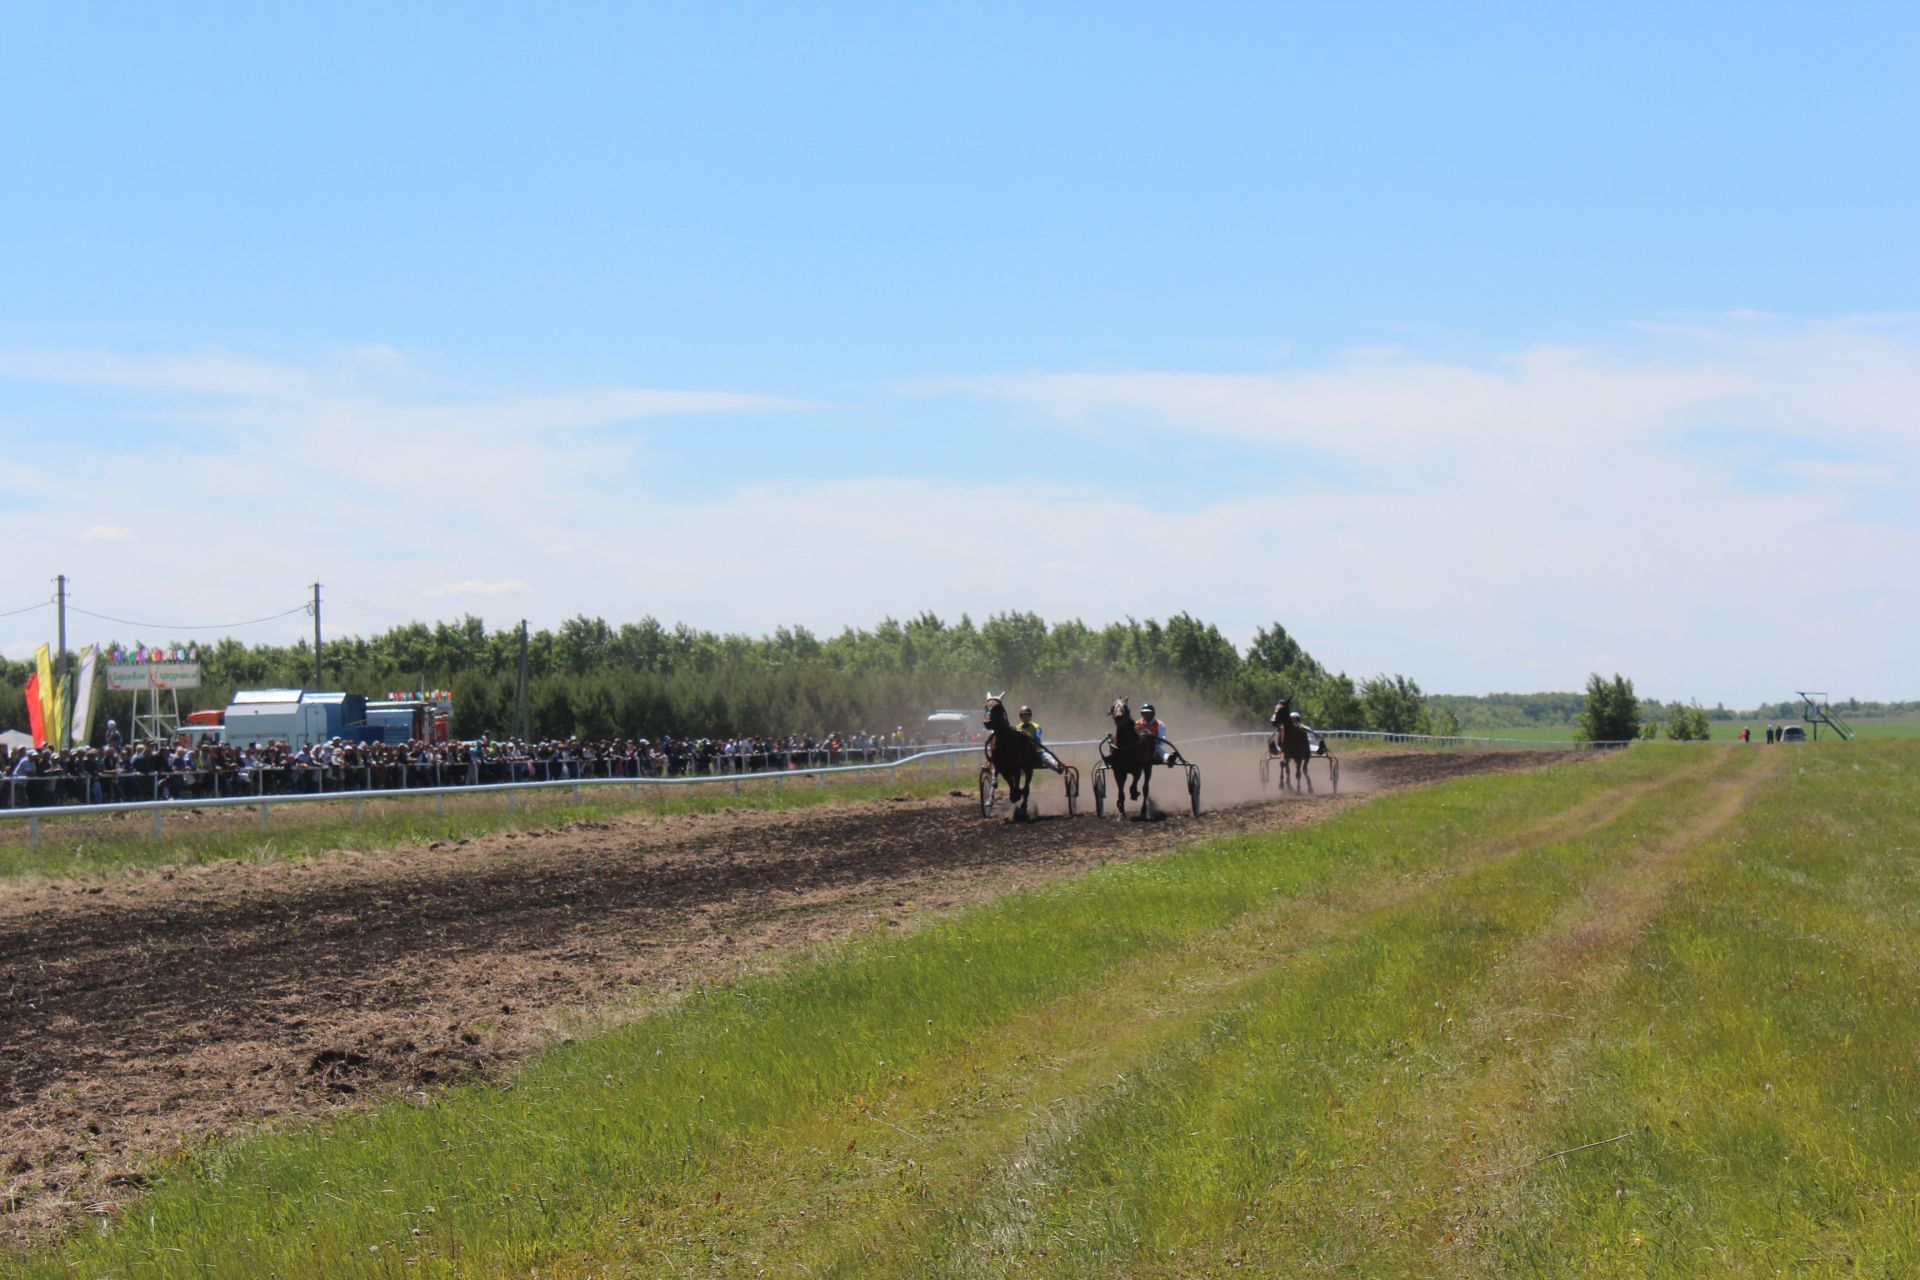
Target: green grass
90,845
1345,1049
1722,731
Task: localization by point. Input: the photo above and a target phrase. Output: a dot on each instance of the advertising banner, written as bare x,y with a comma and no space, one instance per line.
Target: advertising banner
36,712
124,677
83,696
156,668
50,720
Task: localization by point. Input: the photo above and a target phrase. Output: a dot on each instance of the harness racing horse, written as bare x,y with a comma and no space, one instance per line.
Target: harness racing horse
1014,756
1130,756
1293,746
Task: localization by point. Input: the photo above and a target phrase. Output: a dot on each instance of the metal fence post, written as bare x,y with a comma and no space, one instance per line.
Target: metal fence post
263,815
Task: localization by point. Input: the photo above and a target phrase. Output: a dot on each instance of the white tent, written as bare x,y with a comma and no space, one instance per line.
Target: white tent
15,739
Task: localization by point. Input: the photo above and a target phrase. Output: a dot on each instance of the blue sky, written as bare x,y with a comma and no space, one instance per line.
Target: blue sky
1569,341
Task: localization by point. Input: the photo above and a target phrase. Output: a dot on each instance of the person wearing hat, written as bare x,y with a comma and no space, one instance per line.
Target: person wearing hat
1032,729
1152,726
1313,735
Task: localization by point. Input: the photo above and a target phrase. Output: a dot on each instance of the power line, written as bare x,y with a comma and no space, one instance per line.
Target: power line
372,608
44,604
193,626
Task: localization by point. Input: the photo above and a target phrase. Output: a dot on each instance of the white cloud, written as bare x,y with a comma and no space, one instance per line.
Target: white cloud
1513,522
1855,386
477,587
107,533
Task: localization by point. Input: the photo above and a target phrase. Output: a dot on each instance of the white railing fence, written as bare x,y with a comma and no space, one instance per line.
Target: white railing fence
919,762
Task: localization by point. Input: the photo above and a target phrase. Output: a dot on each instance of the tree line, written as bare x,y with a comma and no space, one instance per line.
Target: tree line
593,679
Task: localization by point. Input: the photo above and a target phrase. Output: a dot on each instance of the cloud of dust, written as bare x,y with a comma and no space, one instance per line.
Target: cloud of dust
1229,763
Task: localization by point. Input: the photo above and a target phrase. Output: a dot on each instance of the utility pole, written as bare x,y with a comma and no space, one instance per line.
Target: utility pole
59,732
318,682
520,688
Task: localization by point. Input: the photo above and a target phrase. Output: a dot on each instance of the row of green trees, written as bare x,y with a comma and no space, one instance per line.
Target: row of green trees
594,679
1610,712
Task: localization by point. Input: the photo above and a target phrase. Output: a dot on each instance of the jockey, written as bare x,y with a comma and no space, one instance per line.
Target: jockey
1313,738
1033,730
1151,726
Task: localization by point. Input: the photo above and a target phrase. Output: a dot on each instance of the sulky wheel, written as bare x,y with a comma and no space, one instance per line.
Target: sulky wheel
1333,767
1073,791
1100,792
1266,771
1193,789
988,782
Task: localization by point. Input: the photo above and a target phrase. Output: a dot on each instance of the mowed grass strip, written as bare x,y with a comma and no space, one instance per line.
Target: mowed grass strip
1251,1144
619,1139
91,845
800,1200
1763,1050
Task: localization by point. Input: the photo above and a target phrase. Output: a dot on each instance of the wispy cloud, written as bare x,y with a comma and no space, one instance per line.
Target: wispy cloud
1389,410
477,587
1515,521
107,533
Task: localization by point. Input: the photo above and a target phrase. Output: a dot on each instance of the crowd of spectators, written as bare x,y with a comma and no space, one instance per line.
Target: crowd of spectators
209,769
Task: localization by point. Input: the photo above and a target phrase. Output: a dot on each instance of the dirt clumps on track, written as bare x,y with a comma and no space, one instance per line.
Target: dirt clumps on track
145,1011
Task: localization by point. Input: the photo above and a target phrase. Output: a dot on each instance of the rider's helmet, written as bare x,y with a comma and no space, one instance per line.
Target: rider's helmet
1295,716
1026,712
1146,709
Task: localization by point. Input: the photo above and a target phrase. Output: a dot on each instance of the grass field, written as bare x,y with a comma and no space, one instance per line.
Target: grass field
74,846
1648,1015
1723,731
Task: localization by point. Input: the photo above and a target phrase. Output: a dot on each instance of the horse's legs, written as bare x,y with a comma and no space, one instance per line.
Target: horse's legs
1120,778
1146,790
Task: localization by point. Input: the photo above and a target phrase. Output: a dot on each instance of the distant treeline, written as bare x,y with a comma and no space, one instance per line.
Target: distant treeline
643,678
1488,714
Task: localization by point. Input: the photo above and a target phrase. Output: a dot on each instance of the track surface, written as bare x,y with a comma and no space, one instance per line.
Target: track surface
140,1013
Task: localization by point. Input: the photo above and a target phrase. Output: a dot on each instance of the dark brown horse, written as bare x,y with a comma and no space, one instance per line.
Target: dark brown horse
1130,756
1294,748
1013,755
1288,744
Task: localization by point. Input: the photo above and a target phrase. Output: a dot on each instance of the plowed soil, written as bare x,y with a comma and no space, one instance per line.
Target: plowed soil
141,1013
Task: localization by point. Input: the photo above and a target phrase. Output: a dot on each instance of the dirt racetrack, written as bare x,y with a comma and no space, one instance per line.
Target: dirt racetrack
147,1011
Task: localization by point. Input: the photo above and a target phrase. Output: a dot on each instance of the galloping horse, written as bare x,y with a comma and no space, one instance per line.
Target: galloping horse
1130,756
1013,755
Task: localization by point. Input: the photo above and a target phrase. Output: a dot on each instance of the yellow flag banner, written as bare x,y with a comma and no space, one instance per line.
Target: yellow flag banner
49,696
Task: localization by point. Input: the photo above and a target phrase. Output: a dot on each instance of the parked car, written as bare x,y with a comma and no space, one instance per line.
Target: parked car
1793,733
